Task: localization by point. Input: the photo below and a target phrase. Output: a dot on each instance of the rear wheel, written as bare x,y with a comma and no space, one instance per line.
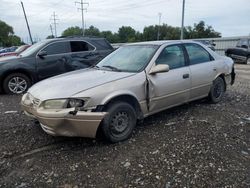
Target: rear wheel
217,90
119,123
16,83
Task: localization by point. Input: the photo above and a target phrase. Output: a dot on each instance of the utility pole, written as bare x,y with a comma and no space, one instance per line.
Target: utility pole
51,29
182,21
54,19
82,9
158,34
27,23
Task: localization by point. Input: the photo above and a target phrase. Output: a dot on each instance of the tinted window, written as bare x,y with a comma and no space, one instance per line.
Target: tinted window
80,46
172,56
244,42
197,54
56,48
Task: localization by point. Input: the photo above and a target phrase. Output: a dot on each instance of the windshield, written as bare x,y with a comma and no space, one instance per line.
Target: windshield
129,58
33,48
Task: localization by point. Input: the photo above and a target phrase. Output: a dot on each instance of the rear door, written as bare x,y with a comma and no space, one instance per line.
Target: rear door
53,62
170,88
202,69
83,55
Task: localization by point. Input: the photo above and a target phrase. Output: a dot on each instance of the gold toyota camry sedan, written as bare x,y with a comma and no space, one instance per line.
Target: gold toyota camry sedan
135,81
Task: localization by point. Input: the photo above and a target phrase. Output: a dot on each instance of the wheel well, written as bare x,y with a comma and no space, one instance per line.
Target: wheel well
17,71
128,99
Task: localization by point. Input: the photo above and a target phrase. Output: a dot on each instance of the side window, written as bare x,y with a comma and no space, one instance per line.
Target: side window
57,48
80,46
244,42
197,54
172,56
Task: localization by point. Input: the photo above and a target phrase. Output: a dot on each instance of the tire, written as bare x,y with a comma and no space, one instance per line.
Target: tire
16,83
119,123
248,60
217,90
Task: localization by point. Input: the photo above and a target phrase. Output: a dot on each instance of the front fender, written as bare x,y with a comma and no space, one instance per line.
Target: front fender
115,94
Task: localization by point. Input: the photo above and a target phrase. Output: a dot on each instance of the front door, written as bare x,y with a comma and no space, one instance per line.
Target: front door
53,60
170,88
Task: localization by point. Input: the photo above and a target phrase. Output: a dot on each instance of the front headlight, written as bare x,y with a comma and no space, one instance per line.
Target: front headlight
63,103
55,104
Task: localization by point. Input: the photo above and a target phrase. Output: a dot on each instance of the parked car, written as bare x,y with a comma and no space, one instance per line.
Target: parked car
133,82
207,43
6,50
241,53
49,58
19,50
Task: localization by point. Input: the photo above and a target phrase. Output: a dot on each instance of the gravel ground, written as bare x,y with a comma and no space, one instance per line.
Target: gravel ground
193,145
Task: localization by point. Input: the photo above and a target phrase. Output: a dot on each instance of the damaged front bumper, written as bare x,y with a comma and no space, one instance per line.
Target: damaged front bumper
63,122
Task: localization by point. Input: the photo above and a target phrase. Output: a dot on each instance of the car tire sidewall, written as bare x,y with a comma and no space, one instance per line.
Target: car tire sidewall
112,110
248,60
221,83
9,77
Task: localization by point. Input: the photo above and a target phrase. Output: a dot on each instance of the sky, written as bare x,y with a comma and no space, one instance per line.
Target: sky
229,17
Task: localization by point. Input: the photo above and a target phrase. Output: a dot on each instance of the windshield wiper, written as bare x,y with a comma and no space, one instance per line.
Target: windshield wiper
95,66
112,68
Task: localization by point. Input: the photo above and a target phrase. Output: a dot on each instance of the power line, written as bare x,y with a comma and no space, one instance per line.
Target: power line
82,9
54,19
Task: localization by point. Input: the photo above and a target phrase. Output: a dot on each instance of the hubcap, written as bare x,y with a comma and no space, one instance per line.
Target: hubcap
119,123
17,85
218,88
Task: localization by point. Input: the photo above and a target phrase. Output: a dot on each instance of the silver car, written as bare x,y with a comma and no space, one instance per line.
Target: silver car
133,82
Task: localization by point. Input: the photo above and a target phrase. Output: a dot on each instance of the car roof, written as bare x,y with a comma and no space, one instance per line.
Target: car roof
98,42
161,42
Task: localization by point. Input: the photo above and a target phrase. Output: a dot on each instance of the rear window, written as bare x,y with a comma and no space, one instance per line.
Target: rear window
197,54
80,46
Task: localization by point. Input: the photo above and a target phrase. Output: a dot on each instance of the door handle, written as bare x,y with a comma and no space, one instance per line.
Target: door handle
185,76
214,69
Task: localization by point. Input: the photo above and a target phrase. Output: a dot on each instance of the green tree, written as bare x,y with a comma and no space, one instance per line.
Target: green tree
126,34
14,40
150,33
50,37
72,31
113,38
200,30
92,31
7,37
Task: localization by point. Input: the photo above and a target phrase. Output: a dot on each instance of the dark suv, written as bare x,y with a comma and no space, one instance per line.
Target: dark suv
241,53
49,58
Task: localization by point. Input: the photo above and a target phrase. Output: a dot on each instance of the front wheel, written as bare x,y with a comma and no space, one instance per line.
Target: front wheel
248,61
217,90
119,123
16,83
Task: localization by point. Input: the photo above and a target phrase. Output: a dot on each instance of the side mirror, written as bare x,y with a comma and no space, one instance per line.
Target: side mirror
213,44
244,46
159,68
41,54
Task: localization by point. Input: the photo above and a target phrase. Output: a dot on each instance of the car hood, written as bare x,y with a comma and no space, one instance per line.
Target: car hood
69,84
9,58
